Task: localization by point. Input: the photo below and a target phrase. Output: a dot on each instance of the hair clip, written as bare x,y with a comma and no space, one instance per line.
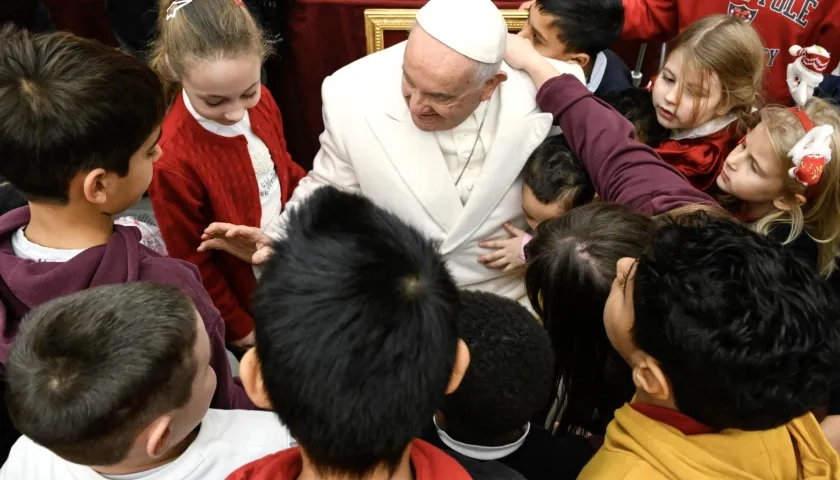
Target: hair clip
175,6
239,3
810,155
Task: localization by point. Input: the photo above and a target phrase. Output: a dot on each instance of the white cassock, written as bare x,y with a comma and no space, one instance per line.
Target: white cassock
371,146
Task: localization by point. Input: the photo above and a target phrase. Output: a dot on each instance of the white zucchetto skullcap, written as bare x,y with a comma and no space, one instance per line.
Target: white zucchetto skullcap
473,28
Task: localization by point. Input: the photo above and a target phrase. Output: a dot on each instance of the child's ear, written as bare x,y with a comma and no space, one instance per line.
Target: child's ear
649,377
95,186
252,379
784,204
160,435
581,59
462,363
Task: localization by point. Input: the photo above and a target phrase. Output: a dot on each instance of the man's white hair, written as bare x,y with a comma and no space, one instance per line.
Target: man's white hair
486,71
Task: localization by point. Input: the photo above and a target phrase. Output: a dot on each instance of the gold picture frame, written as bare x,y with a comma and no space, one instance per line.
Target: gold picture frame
380,20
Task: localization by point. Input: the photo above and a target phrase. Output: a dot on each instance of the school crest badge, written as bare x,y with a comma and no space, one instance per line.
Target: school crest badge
742,12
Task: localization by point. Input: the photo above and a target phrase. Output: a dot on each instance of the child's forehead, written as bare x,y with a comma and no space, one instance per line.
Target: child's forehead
545,20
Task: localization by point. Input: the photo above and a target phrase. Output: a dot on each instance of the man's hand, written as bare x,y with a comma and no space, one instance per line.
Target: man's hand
249,244
506,256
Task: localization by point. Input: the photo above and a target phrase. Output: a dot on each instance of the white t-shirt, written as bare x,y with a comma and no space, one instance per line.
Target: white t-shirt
267,181
27,250
226,441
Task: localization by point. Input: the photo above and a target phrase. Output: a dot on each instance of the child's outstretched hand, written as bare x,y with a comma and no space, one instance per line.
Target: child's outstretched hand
506,256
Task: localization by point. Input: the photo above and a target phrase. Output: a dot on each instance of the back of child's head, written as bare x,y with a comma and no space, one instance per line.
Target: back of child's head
747,334
724,47
511,367
355,318
201,31
586,26
636,105
70,105
571,263
819,217
554,174
89,372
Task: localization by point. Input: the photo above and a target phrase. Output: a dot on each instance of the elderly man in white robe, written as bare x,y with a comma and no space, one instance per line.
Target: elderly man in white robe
437,130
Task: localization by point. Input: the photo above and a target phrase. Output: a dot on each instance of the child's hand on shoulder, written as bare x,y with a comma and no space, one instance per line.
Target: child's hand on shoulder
506,256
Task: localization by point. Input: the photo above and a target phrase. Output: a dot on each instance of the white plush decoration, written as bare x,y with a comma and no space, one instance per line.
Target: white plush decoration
804,74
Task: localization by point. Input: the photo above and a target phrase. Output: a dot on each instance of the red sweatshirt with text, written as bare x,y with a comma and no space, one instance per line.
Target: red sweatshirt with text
781,23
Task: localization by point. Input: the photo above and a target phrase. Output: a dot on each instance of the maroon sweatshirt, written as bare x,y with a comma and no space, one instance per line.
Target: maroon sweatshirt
25,284
622,170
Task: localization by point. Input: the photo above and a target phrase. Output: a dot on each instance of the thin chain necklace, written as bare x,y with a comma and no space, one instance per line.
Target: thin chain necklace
477,138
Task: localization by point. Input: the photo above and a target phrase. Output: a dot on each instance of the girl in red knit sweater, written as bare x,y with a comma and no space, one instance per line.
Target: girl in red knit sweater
705,91
224,154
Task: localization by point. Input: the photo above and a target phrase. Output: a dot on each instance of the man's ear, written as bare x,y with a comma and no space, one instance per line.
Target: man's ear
490,85
462,363
649,377
95,186
581,59
252,379
784,204
160,436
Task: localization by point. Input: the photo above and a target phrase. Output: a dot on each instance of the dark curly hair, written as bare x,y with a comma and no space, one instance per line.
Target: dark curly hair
510,373
748,335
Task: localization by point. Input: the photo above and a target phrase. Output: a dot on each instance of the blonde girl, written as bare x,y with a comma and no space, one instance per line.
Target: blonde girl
224,154
705,92
762,174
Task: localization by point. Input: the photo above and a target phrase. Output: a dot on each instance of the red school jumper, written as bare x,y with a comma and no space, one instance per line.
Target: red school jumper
701,159
781,23
429,463
203,178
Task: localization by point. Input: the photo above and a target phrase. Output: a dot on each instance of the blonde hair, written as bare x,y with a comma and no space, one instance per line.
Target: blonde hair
203,30
819,218
732,50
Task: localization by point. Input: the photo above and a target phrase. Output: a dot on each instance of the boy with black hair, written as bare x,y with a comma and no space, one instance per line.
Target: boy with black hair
732,342
581,32
636,105
79,124
357,345
116,381
508,382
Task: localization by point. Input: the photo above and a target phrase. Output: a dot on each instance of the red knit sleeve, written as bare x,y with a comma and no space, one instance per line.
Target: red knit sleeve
296,173
648,19
180,208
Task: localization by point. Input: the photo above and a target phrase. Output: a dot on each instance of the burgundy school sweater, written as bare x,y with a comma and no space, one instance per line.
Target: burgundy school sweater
25,284
203,178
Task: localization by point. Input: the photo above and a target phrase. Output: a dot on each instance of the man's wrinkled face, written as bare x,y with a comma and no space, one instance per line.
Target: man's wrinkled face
438,83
